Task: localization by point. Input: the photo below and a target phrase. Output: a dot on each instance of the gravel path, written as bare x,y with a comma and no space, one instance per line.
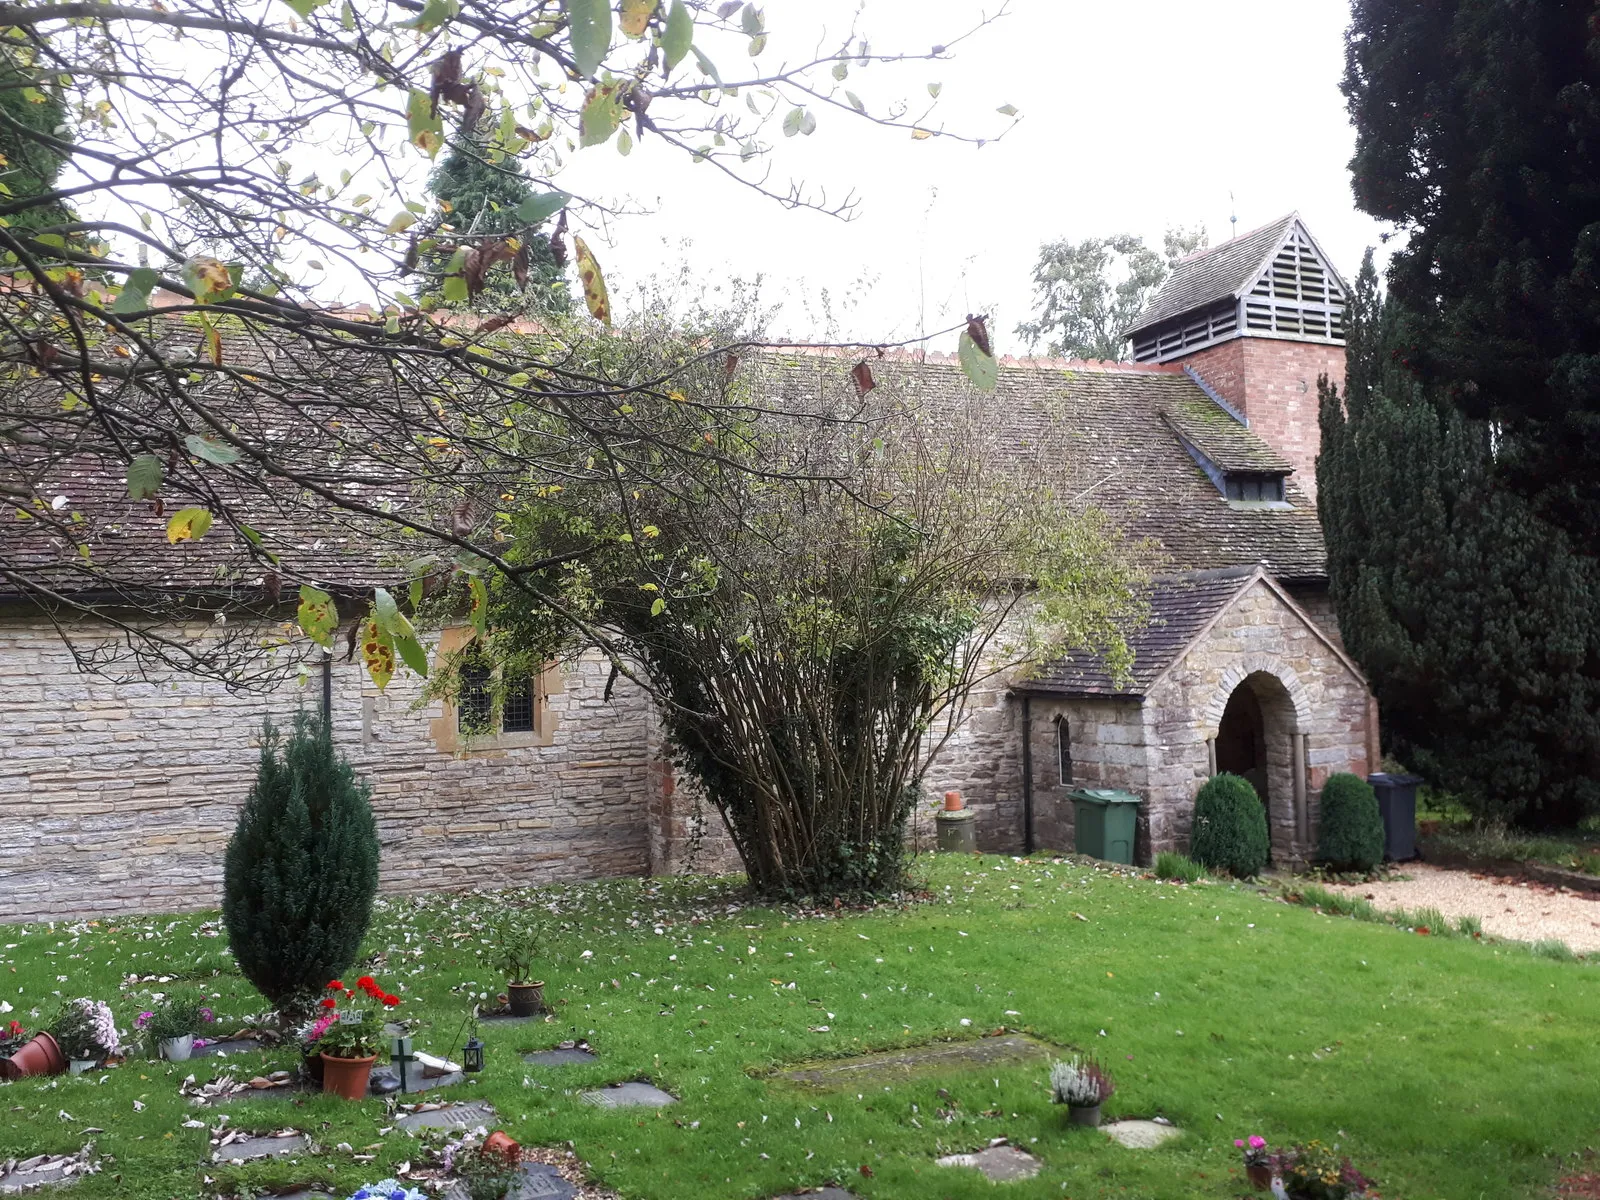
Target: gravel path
1509,908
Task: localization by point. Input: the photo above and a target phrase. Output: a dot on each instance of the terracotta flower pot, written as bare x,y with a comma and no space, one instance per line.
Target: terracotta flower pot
526,999
347,1077
953,802
1259,1175
500,1142
1084,1114
41,1056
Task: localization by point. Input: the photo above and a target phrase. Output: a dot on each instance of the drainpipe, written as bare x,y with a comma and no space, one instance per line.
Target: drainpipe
327,691
1027,774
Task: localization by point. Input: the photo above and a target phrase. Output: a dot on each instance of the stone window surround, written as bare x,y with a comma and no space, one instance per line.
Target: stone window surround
446,727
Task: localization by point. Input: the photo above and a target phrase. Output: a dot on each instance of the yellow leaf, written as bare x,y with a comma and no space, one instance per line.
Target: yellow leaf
189,524
635,16
594,283
920,135
377,651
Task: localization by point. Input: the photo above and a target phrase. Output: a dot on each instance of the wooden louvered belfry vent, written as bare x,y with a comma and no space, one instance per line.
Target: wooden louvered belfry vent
1297,295
1273,283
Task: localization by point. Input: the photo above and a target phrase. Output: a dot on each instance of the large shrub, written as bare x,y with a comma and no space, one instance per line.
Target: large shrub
1230,827
1352,829
302,867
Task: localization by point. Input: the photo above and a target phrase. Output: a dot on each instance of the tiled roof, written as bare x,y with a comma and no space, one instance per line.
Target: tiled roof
1221,438
1213,274
1180,607
1103,425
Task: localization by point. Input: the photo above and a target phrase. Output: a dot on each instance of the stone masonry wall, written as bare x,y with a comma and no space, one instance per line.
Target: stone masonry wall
121,796
1259,633
1273,382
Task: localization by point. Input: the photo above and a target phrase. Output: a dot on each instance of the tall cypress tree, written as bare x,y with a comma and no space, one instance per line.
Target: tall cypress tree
1472,615
1478,134
483,199
301,869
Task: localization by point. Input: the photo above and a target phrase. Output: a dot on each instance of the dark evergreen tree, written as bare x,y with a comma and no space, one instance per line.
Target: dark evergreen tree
1473,617
1478,133
483,199
1230,827
301,868
32,118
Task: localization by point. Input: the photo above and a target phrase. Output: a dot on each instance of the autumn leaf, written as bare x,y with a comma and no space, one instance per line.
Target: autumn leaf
377,652
317,615
208,278
188,524
635,16
594,283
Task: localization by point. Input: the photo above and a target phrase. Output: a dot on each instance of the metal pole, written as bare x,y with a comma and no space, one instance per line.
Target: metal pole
327,691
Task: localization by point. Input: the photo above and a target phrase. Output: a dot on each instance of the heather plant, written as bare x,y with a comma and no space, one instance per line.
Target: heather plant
1080,1082
301,868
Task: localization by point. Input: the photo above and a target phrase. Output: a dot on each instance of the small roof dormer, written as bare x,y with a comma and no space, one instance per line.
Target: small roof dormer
1274,282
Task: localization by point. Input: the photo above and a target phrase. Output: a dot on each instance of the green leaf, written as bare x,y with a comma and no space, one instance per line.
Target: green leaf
752,20
1007,110
657,607
211,450
855,102
304,8
455,289
411,653
189,524
317,615
144,477
384,610
624,143
679,34
400,222
840,70
542,207
423,125
601,114
791,123
757,45
135,295
808,124
934,89
590,33
705,64
982,369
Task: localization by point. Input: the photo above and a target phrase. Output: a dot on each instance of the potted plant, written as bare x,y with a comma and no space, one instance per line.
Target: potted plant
348,1043
488,1172
1082,1085
171,1026
1314,1172
14,1040
86,1033
1257,1161
516,951
388,1189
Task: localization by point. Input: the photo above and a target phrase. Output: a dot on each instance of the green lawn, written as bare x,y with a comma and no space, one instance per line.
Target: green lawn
1445,1068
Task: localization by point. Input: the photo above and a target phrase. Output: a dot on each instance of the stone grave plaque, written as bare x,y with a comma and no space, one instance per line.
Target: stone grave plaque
896,1066
537,1181
569,1056
261,1147
468,1114
1141,1135
998,1163
633,1094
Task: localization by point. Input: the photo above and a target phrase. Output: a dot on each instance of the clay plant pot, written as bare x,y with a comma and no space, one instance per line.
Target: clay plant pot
177,1049
347,1077
1084,1114
526,999
1259,1175
499,1142
41,1056
953,802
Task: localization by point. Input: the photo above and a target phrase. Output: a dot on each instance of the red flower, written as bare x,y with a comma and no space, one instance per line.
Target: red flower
334,986
390,1001
367,984
330,1002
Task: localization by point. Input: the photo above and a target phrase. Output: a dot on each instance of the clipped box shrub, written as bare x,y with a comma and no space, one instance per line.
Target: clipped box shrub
1230,827
1351,838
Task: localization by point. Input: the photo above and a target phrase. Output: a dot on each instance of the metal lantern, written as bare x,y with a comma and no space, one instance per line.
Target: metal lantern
472,1053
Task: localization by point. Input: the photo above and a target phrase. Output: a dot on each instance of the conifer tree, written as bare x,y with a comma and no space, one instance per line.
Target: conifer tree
1472,616
301,868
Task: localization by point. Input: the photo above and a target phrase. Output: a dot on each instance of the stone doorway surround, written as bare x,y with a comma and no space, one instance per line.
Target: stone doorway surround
1264,703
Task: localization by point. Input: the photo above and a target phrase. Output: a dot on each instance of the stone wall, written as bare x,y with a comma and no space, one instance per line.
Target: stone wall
121,796
1258,635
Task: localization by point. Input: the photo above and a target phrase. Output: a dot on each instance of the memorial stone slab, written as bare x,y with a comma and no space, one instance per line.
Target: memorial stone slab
1001,1164
468,1114
937,1058
633,1094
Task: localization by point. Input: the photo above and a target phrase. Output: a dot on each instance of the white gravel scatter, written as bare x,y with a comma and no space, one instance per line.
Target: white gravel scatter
1518,909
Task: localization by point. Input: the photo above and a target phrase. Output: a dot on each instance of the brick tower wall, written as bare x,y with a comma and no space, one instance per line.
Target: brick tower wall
1273,382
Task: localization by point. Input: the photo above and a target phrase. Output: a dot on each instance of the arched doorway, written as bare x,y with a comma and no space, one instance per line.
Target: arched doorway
1259,737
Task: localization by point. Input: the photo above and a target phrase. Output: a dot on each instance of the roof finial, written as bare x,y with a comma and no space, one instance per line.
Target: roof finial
1233,220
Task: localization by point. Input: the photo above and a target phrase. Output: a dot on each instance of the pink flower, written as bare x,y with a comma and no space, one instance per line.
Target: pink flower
1239,1142
1257,1142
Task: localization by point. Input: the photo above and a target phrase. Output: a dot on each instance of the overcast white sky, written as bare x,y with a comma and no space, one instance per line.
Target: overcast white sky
1135,115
